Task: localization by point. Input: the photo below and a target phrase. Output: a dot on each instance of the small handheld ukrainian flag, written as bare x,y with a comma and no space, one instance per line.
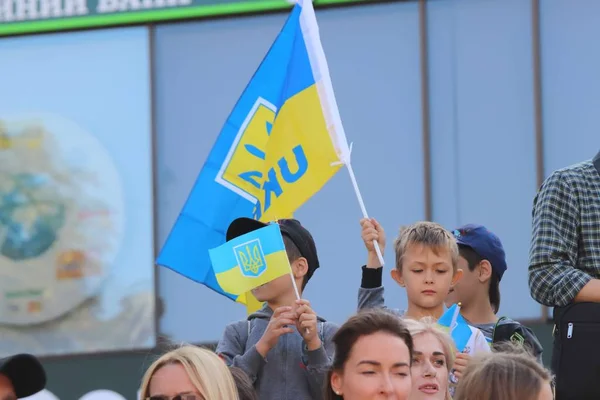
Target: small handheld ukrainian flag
459,328
250,260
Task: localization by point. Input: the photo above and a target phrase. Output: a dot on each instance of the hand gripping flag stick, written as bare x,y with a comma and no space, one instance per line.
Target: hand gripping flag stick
307,330
294,282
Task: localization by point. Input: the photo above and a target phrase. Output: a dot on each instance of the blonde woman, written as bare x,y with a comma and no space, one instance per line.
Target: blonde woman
188,373
511,374
433,357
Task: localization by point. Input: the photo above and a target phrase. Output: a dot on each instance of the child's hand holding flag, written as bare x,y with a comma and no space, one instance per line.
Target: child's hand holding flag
306,323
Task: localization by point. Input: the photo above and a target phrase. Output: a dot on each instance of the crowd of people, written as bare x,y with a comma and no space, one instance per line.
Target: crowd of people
285,351
377,356
289,352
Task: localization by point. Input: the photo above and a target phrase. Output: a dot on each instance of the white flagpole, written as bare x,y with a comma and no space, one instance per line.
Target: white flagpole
296,290
363,208
293,280
316,55
454,317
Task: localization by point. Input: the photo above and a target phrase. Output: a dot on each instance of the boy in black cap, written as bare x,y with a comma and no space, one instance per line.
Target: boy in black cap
285,348
483,262
21,375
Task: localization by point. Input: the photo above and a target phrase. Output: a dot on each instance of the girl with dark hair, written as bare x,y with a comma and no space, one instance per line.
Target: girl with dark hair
373,353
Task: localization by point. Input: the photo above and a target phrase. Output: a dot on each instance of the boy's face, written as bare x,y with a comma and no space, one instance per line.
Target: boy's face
471,286
282,287
427,275
273,290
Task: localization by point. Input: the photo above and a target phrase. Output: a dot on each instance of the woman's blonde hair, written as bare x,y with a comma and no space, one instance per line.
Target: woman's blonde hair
429,325
512,373
207,372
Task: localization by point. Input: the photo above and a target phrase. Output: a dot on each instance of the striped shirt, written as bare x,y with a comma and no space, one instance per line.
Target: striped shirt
565,245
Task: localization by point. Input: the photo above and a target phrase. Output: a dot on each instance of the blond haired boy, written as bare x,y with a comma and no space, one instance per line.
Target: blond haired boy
426,266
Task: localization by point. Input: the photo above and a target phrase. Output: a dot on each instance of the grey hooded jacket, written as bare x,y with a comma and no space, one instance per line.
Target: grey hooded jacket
290,371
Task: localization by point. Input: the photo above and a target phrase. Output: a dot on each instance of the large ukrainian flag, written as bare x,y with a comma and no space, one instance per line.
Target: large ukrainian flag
250,260
281,143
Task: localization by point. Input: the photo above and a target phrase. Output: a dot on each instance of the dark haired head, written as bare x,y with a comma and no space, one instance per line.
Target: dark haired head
364,323
244,384
473,260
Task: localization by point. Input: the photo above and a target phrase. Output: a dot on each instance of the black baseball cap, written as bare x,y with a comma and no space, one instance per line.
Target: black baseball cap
292,228
485,243
25,372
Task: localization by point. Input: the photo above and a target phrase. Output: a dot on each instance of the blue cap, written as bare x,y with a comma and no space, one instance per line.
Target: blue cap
483,242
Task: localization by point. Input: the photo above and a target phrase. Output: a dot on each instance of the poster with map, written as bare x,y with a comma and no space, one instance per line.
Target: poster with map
76,208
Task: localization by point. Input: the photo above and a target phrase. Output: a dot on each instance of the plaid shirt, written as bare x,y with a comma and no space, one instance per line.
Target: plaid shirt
565,246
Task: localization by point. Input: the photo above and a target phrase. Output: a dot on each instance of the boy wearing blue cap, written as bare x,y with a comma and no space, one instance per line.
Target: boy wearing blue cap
483,261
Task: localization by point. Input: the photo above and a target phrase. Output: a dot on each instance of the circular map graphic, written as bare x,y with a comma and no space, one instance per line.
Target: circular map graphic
61,217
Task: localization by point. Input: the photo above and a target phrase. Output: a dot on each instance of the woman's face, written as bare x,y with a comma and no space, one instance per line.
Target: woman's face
378,368
170,381
429,369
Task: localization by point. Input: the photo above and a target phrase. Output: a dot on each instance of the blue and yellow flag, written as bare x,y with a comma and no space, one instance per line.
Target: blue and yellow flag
250,260
458,328
281,143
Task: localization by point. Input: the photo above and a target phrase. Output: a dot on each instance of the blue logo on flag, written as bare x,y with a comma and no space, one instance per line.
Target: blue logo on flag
250,258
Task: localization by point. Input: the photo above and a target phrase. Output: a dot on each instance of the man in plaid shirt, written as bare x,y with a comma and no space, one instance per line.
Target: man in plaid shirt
564,259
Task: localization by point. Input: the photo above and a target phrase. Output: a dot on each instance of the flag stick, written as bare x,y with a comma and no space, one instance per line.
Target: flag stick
455,317
291,272
294,283
363,209
296,290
